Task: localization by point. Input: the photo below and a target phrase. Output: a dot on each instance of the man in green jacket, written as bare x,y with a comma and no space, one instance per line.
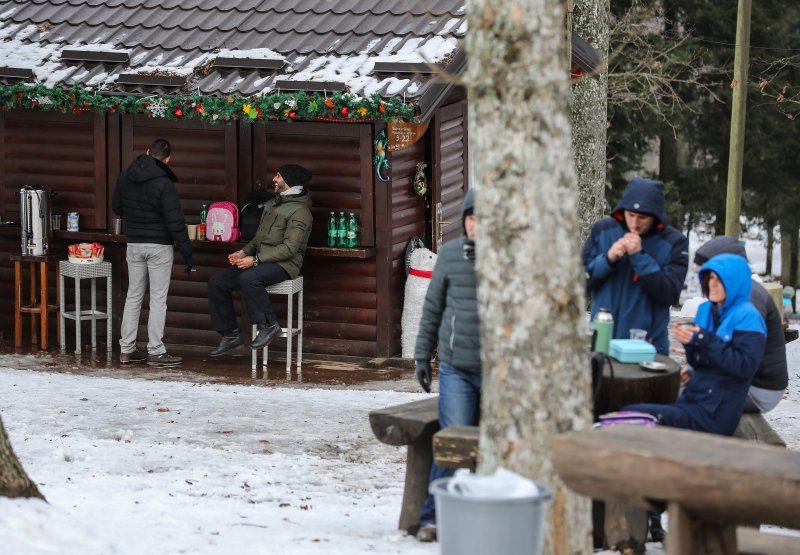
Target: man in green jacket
275,254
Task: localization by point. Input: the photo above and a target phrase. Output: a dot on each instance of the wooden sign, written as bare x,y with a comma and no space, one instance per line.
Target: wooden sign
402,134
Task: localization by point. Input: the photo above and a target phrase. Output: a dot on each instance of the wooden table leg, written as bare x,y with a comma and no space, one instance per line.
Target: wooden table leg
418,467
17,304
43,307
688,534
34,332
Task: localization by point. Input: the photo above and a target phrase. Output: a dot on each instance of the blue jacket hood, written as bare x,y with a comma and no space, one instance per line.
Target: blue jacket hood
734,273
645,196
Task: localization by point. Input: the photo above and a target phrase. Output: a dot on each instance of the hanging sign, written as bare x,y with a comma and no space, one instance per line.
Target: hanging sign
404,134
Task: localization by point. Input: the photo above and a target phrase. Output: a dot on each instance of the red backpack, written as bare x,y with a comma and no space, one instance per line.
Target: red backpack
222,222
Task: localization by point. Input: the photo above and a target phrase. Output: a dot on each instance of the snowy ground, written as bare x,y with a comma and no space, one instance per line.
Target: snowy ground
131,465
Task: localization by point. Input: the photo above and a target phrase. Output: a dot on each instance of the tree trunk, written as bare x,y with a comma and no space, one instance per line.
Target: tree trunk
786,253
14,482
770,223
531,303
590,114
793,257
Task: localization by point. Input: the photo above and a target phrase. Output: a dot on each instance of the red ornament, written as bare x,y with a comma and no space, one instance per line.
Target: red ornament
178,113
344,111
199,108
19,95
292,115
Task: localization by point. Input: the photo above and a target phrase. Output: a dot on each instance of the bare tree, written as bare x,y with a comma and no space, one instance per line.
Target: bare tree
530,278
14,482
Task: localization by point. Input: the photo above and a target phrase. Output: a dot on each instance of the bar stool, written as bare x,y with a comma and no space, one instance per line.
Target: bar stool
79,272
288,288
38,306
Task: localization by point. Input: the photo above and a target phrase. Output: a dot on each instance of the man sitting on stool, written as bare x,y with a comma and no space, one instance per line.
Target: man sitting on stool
274,255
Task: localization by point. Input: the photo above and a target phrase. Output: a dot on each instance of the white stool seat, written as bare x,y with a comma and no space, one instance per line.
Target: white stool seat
79,272
290,287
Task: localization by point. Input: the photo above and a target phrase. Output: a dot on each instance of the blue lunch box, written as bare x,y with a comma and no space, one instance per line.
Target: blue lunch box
631,350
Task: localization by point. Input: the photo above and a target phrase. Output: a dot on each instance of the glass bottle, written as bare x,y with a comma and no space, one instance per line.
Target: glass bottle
352,231
341,231
333,234
203,213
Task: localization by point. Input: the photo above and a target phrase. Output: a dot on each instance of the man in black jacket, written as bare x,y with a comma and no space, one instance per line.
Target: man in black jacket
148,200
772,377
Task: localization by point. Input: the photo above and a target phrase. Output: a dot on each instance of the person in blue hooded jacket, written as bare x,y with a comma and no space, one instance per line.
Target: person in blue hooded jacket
724,348
636,264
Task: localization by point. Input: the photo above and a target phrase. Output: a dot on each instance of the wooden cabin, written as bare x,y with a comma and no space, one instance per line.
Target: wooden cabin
215,49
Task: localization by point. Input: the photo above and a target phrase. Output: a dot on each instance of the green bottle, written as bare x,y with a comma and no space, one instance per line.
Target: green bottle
203,213
603,326
352,231
341,231
333,234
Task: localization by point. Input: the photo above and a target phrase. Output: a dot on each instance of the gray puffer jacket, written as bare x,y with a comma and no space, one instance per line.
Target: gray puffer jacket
450,311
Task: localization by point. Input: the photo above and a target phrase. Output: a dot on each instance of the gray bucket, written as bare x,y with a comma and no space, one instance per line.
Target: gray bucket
490,526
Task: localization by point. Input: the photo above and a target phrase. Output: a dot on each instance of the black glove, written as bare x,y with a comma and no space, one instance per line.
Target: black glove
423,374
189,263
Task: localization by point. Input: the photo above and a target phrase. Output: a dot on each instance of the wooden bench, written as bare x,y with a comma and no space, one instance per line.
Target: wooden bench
412,424
709,484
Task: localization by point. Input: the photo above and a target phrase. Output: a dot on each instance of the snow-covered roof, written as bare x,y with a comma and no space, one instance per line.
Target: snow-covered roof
304,40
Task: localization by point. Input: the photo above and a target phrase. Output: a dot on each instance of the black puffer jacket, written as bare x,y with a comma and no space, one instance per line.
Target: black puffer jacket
450,312
146,197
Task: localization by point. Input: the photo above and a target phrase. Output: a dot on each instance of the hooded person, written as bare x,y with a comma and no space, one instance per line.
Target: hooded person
636,264
273,255
772,376
450,319
724,349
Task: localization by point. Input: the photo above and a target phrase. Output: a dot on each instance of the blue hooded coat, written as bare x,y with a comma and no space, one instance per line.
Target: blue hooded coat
638,289
726,352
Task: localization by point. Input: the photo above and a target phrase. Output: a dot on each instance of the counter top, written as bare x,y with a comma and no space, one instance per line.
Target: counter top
102,236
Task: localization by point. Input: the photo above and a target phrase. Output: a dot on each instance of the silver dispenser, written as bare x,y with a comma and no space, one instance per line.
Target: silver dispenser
34,211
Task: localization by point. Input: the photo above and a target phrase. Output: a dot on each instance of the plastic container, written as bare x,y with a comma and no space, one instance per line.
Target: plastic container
631,350
502,521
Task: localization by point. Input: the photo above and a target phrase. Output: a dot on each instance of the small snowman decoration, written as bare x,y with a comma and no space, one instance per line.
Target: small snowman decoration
421,266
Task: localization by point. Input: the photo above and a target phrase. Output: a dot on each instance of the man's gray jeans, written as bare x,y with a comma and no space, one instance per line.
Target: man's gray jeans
155,261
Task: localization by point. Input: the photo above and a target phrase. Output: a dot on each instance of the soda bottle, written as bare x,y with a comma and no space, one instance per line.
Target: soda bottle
341,231
203,213
333,234
352,231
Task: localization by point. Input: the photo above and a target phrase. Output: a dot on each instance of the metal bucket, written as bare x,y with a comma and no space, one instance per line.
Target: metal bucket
34,215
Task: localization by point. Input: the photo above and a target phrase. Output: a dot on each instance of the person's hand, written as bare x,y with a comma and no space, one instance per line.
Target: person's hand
233,257
684,333
189,259
616,251
244,263
423,373
633,243
686,375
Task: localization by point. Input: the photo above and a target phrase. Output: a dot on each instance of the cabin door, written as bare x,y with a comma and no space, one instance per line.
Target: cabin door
450,164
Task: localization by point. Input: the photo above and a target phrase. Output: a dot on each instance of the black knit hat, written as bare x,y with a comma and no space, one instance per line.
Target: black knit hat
294,174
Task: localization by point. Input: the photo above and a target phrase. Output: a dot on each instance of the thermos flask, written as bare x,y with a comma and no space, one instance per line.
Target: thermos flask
603,326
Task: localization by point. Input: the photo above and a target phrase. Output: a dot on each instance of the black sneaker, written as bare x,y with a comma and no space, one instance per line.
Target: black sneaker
657,533
427,533
226,343
135,356
163,360
265,336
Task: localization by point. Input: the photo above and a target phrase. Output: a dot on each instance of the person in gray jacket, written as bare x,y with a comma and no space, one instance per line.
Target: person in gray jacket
772,377
450,314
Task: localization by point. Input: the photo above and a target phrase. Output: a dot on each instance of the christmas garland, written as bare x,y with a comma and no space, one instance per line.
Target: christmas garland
294,106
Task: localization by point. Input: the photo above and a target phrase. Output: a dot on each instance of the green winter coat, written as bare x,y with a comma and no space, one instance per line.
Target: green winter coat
283,232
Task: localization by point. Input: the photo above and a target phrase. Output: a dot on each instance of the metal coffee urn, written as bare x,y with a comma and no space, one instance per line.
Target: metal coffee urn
34,214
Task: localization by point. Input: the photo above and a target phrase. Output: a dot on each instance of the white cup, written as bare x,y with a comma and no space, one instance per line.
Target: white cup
638,334
192,230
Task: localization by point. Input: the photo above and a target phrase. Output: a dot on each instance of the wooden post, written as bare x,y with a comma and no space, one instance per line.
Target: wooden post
733,203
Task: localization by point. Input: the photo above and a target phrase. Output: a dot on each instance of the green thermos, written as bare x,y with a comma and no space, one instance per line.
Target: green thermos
603,326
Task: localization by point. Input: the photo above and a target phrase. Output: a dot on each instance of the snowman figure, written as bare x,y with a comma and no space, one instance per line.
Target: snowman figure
419,277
